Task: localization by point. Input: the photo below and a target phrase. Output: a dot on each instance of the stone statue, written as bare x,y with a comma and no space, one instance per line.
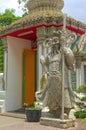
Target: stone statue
51,95
43,82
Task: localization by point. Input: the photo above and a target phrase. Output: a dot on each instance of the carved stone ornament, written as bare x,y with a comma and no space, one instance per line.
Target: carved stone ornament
51,94
37,5
82,42
66,37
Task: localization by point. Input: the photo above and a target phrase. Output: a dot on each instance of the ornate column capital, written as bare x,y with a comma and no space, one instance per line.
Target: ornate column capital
44,5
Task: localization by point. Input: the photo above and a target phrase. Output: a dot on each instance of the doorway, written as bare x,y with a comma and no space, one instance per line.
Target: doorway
28,89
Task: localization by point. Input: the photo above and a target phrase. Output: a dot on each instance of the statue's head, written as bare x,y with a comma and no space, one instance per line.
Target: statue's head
48,42
55,40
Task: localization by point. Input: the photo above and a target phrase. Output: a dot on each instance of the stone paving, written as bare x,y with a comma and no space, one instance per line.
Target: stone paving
12,123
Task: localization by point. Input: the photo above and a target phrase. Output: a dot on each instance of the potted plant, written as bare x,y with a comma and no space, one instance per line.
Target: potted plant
33,113
80,114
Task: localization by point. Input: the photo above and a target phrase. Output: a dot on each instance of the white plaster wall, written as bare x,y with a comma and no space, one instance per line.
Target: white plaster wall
80,74
1,81
14,72
78,77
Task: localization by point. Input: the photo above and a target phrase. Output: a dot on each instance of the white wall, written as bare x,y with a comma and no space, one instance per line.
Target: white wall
14,72
1,81
82,70
80,75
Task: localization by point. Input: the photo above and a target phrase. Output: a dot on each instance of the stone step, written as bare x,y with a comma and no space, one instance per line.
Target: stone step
2,94
2,106
2,102
2,109
13,114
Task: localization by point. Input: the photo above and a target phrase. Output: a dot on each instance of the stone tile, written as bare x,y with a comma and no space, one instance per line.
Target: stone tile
11,123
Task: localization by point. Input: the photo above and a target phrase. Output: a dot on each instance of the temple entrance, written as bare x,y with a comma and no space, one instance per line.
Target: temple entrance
28,77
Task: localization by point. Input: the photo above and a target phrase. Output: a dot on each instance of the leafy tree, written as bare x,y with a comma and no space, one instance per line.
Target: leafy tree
25,6
7,17
81,112
19,1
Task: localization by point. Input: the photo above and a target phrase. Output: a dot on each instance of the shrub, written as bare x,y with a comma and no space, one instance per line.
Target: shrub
81,103
80,114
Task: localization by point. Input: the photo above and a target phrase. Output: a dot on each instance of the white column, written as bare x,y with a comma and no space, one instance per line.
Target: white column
5,62
39,73
64,21
82,73
44,52
78,77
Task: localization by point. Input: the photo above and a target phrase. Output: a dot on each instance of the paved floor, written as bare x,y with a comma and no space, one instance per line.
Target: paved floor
11,123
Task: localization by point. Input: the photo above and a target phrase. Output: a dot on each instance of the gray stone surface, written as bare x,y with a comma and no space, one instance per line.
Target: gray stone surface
57,63
11,123
57,122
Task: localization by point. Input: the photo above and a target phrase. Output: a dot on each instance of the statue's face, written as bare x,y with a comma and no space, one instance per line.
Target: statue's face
55,43
63,39
55,40
56,46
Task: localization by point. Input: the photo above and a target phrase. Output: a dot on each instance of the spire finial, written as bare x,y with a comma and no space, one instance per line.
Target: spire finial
34,5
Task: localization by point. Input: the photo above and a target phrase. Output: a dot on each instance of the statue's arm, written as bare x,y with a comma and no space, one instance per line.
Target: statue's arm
69,57
44,60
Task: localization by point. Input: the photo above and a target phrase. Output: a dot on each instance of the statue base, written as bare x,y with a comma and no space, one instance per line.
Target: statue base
66,123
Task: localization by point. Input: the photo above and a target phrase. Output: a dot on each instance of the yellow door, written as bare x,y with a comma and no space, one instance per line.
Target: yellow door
29,77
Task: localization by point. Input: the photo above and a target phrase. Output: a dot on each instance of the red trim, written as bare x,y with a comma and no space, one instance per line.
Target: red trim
75,30
32,36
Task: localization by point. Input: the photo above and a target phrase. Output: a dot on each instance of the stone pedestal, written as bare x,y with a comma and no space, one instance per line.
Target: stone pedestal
57,122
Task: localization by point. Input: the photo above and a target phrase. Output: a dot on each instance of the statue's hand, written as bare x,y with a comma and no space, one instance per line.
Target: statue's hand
42,59
64,50
69,57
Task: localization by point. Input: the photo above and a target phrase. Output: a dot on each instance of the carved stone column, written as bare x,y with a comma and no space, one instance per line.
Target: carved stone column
78,70
40,41
42,34
39,53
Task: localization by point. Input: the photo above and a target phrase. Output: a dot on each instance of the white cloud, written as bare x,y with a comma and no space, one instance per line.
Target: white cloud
8,4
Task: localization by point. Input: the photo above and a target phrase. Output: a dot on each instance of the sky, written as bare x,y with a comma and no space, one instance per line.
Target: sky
73,8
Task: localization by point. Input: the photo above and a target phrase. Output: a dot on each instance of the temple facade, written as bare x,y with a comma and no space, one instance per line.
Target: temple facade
24,44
